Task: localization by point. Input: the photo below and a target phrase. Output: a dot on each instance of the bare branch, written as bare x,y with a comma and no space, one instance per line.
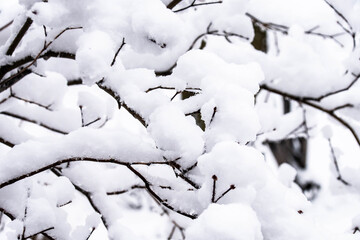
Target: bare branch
19,36
126,190
285,29
41,232
214,177
339,177
6,25
194,4
356,78
9,81
44,125
173,3
118,162
31,102
117,52
350,31
232,187
318,107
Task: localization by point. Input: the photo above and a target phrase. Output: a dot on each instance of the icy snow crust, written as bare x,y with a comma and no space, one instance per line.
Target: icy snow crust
128,144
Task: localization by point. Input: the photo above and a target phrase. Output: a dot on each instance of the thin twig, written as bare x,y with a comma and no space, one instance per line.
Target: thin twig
31,102
17,116
117,52
318,107
194,4
356,78
214,177
41,232
232,187
6,25
339,177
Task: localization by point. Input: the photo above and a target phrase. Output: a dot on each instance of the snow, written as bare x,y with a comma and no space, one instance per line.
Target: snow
73,146
176,134
327,132
286,174
52,83
230,222
125,154
97,48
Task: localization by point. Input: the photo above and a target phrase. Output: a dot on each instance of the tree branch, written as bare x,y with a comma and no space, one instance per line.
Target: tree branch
318,107
6,83
6,25
19,36
81,159
14,115
117,52
194,4
173,3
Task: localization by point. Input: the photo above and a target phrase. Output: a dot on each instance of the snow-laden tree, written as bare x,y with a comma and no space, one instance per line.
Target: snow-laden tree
159,119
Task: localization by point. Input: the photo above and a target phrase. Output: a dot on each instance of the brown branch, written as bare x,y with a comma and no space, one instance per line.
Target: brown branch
82,116
339,14
74,159
347,105
6,142
214,177
285,29
6,25
87,195
8,214
77,159
170,88
134,114
14,115
224,34
334,92
173,3
126,190
10,81
91,232
339,177
74,82
213,115
232,187
120,103
268,25
93,121
157,197
194,4
41,232
172,232
350,31
318,107
117,52
31,102
36,58
181,172
17,63
19,36
25,214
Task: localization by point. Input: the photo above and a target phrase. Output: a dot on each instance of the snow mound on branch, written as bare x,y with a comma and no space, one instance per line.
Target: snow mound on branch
227,222
33,87
36,154
176,134
254,185
196,65
94,55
